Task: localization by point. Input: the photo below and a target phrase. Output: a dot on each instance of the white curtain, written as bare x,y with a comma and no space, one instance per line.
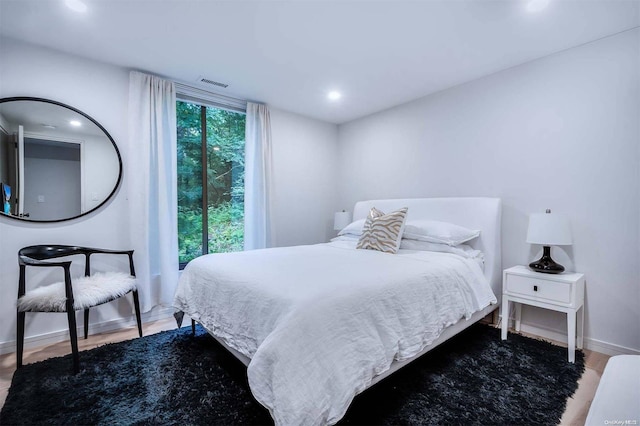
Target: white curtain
152,187
258,229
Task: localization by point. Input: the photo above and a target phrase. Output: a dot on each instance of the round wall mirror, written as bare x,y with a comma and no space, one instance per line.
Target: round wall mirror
56,162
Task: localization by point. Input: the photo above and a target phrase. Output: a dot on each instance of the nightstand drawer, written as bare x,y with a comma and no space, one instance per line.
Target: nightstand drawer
539,288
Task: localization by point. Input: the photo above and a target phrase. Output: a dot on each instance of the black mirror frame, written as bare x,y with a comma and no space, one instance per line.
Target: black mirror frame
115,187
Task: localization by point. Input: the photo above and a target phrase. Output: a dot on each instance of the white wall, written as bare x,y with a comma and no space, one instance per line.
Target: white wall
562,133
100,168
305,178
101,91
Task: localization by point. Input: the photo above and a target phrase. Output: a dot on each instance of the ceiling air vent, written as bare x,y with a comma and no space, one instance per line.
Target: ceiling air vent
214,83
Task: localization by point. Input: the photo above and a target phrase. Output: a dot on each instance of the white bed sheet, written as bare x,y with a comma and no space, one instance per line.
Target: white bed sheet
320,321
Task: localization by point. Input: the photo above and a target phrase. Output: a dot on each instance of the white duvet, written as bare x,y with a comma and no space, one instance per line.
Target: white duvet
320,321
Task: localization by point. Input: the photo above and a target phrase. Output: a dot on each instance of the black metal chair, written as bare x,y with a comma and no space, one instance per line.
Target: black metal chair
70,295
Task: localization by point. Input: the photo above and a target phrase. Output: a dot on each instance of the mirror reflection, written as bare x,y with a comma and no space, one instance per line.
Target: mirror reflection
56,163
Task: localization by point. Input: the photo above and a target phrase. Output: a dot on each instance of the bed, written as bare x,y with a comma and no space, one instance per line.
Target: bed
617,398
316,325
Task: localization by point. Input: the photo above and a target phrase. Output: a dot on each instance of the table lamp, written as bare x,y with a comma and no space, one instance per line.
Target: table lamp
548,230
341,219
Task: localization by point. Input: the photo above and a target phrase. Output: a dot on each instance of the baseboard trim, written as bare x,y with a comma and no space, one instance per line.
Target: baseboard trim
589,343
103,327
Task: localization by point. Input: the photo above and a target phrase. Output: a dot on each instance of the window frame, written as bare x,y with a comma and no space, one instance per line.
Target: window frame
206,100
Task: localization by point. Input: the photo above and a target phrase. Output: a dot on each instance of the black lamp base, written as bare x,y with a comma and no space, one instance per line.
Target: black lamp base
545,264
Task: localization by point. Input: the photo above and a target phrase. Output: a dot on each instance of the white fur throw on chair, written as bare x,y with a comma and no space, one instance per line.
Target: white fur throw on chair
87,292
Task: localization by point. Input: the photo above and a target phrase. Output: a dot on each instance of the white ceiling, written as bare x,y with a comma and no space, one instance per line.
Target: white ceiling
290,54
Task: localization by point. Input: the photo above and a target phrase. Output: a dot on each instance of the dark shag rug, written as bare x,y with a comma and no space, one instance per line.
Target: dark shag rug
174,378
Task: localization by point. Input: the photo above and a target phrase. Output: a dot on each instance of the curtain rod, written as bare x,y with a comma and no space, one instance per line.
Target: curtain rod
215,98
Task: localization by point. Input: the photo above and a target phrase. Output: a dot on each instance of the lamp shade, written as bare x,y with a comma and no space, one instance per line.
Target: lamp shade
549,229
341,219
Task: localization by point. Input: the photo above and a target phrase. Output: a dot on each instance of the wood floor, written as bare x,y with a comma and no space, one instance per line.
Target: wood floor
575,414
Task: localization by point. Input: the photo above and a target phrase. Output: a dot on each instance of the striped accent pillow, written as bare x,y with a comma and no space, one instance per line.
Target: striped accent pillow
383,232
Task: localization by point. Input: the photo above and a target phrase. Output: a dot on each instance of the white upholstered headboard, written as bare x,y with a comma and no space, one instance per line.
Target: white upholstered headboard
471,212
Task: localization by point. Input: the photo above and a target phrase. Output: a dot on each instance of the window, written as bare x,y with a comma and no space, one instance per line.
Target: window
210,180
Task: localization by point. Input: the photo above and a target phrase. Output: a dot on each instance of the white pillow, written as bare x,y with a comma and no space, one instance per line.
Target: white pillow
463,250
434,231
383,232
346,238
354,228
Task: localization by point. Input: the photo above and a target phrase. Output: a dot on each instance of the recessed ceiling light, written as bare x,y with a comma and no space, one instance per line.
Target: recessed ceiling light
334,95
534,6
76,5
75,123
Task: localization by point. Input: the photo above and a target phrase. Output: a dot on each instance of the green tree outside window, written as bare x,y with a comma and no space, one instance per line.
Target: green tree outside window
222,133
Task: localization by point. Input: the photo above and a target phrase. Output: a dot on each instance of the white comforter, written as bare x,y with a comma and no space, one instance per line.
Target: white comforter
320,321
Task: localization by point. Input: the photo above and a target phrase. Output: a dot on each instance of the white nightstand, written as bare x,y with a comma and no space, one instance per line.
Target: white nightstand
559,292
